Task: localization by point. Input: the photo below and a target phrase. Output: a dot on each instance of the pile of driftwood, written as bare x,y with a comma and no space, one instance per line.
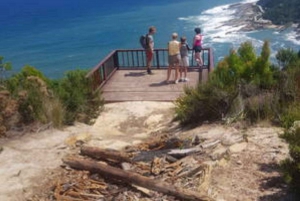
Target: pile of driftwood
161,170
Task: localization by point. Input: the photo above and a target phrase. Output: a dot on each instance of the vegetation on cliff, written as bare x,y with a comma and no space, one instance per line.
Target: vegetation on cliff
28,96
247,87
281,12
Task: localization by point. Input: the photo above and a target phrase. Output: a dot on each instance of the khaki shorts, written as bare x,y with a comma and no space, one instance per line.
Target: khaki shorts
174,59
184,62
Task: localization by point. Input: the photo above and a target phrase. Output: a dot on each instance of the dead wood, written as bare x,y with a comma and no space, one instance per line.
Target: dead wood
180,153
134,178
210,144
105,154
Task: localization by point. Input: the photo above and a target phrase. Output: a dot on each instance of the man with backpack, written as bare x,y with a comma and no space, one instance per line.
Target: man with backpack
149,48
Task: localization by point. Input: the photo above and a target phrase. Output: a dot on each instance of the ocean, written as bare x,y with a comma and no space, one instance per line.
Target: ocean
61,35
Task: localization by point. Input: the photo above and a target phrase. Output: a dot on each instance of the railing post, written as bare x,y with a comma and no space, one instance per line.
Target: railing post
210,60
157,59
116,59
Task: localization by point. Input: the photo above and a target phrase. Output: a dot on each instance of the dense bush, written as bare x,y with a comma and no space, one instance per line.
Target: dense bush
233,88
291,166
204,103
249,87
30,88
77,96
58,102
281,11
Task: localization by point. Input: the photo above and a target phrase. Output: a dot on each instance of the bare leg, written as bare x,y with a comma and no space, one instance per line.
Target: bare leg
169,73
198,58
180,71
176,72
185,71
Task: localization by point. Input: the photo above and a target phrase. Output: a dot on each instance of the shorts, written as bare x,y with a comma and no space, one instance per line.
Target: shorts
174,59
184,61
197,48
149,55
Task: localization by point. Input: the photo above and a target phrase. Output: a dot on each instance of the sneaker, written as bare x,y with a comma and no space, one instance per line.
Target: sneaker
186,79
176,81
181,80
149,72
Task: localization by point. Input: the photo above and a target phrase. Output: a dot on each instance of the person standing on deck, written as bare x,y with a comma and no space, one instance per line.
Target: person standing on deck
197,46
174,57
184,64
150,48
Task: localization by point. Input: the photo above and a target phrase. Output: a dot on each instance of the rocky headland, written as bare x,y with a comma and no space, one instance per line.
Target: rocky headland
249,16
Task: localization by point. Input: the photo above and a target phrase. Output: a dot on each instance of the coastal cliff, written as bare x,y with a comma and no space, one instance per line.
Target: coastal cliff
249,17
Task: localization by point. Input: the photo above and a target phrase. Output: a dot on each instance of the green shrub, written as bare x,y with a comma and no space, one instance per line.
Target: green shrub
286,57
204,103
260,106
19,81
77,96
290,114
291,166
226,90
54,101
30,87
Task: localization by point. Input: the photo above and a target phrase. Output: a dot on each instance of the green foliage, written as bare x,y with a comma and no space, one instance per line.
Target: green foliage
3,68
30,87
32,98
19,81
262,75
76,93
207,102
260,106
281,11
241,78
291,166
245,67
290,113
286,57
54,101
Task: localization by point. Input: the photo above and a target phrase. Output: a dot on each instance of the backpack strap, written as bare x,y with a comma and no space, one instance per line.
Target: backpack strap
147,41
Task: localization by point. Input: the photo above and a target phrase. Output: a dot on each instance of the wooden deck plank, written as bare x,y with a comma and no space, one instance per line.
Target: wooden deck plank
137,85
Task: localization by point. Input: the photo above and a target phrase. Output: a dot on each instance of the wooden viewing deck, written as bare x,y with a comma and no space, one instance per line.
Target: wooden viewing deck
122,76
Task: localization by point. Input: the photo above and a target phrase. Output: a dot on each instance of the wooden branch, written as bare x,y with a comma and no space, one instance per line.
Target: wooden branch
210,144
134,178
180,153
105,154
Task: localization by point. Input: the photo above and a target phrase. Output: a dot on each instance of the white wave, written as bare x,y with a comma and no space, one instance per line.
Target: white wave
291,36
250,1
219,34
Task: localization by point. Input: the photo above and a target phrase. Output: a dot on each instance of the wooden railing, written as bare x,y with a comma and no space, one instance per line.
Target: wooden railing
136,59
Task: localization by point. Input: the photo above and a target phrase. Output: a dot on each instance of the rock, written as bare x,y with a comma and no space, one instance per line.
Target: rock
77,140
236,148
218,153
196,140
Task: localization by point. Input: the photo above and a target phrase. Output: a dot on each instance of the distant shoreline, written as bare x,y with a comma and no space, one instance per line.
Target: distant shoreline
248,16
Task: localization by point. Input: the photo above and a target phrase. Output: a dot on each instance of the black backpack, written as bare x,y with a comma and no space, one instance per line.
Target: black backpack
144,41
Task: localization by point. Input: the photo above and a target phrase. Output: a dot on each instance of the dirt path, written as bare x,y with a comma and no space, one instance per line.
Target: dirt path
244,164
28,161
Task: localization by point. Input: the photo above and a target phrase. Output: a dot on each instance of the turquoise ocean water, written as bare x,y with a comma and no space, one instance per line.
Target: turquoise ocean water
60,35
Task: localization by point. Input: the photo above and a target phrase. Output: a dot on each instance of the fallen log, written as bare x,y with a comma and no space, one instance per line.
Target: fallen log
105,154
134,178
180,153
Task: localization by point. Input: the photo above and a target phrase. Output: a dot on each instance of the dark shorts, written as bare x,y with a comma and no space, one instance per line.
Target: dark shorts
197,48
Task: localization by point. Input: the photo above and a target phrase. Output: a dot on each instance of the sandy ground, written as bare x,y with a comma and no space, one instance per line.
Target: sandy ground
245,162
28,161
